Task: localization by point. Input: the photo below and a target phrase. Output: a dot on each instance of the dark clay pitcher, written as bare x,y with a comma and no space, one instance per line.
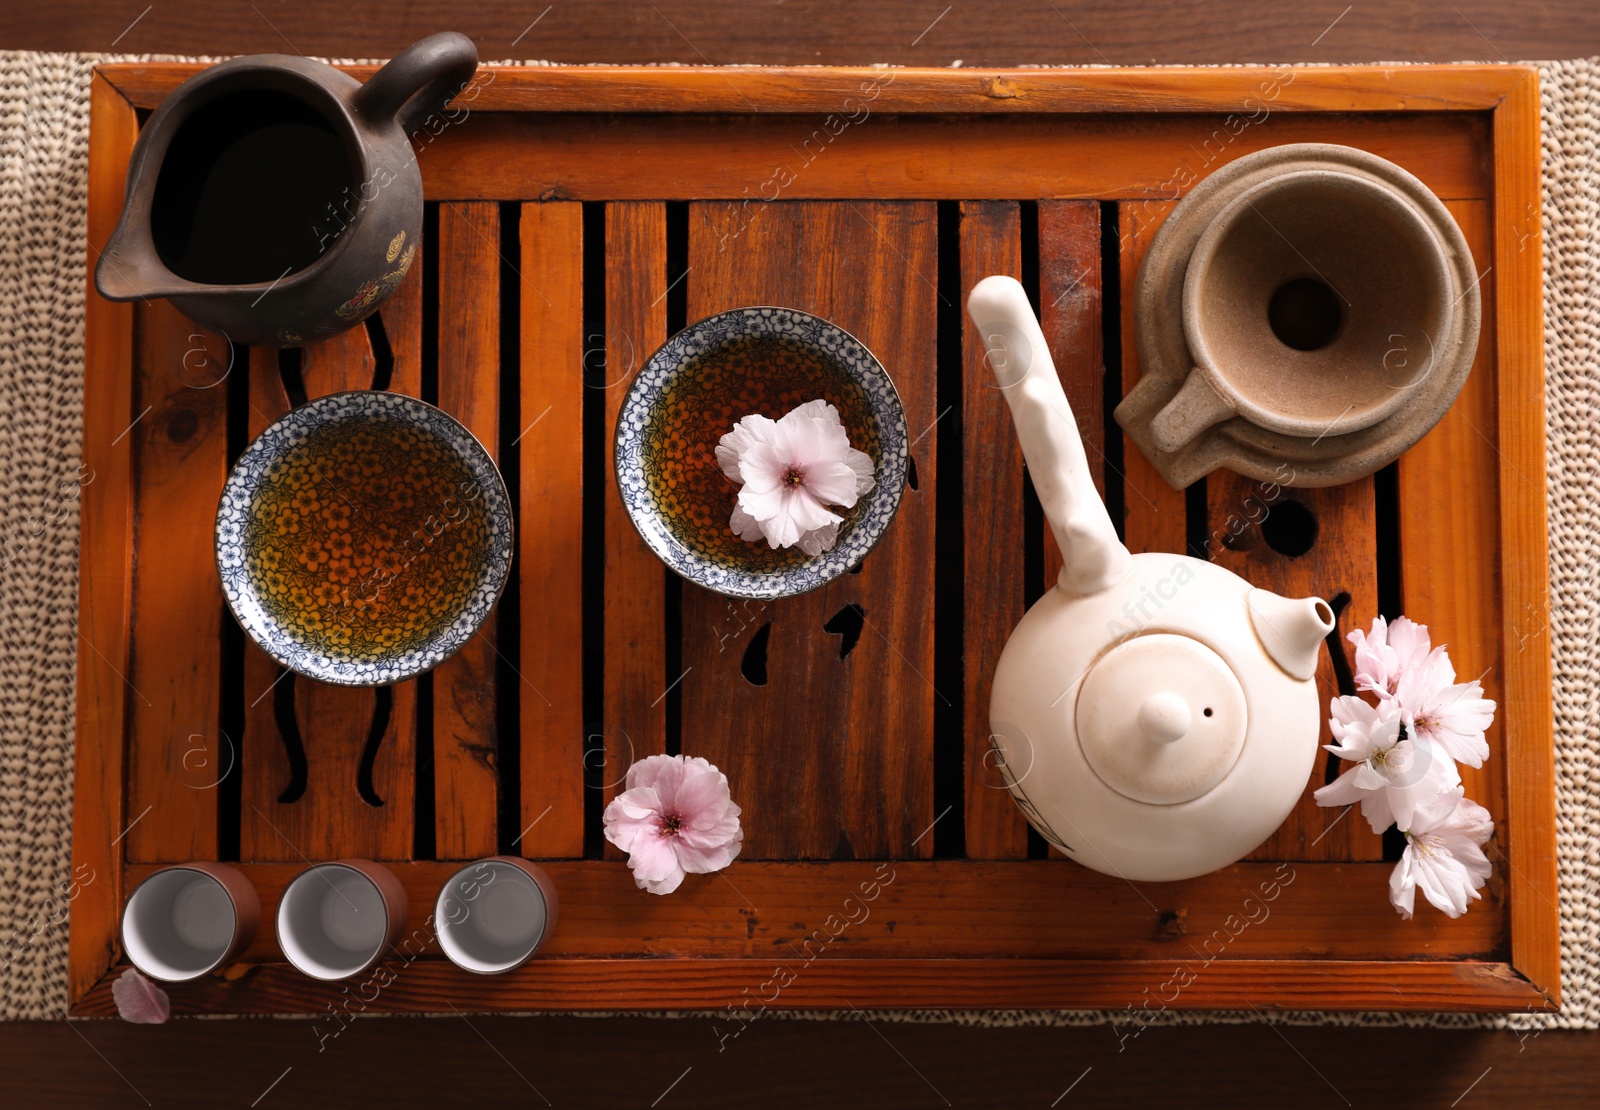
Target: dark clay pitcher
277,200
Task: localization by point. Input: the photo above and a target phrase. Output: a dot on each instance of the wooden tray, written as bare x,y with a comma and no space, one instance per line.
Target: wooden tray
579,216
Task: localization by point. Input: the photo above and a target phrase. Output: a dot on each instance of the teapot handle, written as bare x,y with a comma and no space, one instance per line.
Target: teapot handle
419,80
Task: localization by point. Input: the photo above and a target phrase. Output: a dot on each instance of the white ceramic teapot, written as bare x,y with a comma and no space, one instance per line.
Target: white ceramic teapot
1156,716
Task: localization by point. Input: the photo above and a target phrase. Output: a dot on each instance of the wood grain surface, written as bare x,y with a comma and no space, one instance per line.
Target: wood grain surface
1157,517
500,155
331,818
1070,310
550,530
991,497
956,909
177,753
104,483
636,679
717,1061
836,749
466,776
858,782
832,32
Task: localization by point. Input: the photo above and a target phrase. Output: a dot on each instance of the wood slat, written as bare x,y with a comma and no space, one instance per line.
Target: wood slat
105,537
992,521
1156,517
697,89
551,517
330,819
466,786
1527,713
959,909
177,753
1449,528
1467,986
401,317
635,595
1070,315
1343,559
833,756
760,158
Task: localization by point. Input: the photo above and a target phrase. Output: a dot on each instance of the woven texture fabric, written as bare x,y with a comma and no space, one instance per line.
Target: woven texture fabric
44,141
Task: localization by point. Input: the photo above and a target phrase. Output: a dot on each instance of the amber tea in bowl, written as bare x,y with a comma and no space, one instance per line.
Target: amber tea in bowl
692,391
363,538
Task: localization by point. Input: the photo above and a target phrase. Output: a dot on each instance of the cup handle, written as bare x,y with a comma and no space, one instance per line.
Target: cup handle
419,80
1196,407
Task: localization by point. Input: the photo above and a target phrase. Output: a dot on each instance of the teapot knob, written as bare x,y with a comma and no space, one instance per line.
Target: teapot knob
1164,717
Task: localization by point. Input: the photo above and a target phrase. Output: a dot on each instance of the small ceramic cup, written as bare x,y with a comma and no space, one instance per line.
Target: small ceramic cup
183,922
1312,306
336,920
493,914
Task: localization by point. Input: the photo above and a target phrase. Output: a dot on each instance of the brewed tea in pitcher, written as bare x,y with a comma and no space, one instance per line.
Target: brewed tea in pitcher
250,190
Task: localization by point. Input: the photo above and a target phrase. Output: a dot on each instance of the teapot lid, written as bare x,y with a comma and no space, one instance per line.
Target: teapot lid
1161,718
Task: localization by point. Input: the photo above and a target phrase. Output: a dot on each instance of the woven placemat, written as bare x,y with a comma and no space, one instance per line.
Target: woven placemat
44,143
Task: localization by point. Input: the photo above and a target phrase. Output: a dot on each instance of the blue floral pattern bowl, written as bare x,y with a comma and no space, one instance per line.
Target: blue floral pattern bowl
695,388
363,538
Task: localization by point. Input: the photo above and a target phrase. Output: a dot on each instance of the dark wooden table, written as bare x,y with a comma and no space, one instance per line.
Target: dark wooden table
633,1061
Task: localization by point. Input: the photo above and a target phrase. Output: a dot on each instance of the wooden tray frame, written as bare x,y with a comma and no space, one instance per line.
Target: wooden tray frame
969,938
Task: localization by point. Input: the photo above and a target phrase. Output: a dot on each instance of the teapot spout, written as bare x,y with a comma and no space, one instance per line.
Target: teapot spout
1292,630
1014,346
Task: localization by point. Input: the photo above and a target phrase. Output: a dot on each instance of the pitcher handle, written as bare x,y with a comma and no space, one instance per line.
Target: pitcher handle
419,80
1195,407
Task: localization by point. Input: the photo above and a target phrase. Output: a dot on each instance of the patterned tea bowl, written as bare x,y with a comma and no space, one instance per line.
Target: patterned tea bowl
695,388
363,538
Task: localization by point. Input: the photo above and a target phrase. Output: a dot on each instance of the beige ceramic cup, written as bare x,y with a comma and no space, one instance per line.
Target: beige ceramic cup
1311,306
183,922
336,920
493,915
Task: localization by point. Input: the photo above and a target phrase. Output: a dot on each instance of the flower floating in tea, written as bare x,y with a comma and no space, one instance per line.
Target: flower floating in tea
1404,746
675,817
791,471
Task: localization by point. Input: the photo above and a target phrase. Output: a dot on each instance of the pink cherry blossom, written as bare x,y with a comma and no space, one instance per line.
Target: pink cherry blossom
1388,652
1392,777
674,817
1443,856
1452,715
792,469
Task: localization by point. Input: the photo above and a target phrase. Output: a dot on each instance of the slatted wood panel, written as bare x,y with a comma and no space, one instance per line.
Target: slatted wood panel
465,740
836,753
1448,522
635,723
331,819
105,531
550,529
1000,932
1070,316
1343,559
641,157
1156,518
990,241
952,910
177,751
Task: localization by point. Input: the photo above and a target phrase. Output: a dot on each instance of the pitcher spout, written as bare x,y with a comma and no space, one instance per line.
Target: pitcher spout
129,268
1093,558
